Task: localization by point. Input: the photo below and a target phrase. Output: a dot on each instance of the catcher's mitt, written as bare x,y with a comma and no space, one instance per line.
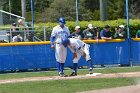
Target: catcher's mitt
75,55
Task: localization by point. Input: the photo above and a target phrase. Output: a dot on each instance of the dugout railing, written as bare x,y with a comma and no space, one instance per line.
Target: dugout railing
38,55
28,34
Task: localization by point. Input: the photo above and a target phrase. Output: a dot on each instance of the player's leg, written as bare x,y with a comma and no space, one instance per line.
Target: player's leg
88,58
58,65
59,58
75,64
90,66
63,57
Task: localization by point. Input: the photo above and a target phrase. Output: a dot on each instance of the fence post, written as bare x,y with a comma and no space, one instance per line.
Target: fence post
10,37
130,51
128,33
44,33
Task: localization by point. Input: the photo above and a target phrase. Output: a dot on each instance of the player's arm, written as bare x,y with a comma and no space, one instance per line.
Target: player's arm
69,35
106,38
102,35
52,38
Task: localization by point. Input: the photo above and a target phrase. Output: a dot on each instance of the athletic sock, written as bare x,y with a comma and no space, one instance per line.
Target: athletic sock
58,65
62,67
75,67
90,65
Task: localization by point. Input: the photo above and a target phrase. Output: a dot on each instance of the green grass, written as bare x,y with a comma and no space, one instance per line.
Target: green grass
65,86
67,71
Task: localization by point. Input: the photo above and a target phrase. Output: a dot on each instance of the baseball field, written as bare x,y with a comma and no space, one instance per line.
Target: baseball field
49,82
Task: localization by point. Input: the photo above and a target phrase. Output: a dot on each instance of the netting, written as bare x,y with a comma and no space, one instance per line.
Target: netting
8,18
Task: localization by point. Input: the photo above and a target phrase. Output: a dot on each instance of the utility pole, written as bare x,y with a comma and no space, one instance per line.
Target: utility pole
77,13
23,6
103,10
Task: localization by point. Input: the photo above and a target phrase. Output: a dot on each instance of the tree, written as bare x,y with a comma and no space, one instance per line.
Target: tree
92,8
50,10
116,9
15,6
134,9
65,8
39,5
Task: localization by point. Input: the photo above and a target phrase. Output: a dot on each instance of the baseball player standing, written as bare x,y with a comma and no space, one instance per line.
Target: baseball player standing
79,48
60,32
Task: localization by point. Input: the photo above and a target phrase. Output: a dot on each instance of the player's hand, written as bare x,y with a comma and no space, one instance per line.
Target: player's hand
52,46
84,38
121,35
75,55
89,39
97,40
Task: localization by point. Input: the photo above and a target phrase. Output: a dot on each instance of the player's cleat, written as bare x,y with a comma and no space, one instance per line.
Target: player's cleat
73,74
62,75
90,71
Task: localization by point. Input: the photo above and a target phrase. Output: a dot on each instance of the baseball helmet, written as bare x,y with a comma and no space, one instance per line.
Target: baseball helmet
65,42
62,20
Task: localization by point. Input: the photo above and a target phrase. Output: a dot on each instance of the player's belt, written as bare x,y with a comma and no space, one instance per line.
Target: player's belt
58,43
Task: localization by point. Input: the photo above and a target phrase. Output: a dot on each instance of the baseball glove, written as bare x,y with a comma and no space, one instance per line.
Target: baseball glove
75,55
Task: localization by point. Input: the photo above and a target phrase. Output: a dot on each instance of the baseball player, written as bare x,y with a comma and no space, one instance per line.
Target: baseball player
59,32
79,48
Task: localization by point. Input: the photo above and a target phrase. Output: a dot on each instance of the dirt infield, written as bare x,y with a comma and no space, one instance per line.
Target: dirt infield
127,89
114,75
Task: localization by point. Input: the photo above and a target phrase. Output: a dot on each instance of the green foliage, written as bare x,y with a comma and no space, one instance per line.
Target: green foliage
116,9
65,8
15,6
134,25
50,10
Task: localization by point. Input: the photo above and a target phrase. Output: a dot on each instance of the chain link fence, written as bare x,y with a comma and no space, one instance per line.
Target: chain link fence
17,34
